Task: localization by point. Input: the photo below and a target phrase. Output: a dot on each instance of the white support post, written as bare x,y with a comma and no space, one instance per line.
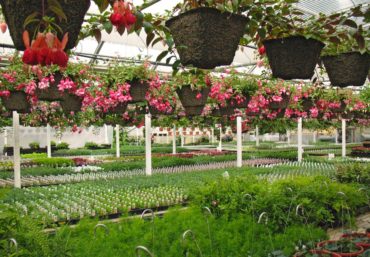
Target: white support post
17,151
118,151
315,137
288,136
48,140
257,136
106,136
148,144
336,136
300,147
344,137
212,135
239,159
220,143
137,135
174,140
182,137
5,139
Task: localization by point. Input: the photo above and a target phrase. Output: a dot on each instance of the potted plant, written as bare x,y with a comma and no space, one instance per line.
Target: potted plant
193,88
160,97
361,239
347,61
136,75
343,247
232,91
292,43
67,15
207,33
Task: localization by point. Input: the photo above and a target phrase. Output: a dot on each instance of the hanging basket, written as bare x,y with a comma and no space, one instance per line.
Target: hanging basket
119,109
17,101
293,57
155,112
205,37
280,105
51,93
189,101
138,90
349,69
71,103
17,11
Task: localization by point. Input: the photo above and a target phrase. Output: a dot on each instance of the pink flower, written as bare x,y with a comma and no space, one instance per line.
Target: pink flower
199,96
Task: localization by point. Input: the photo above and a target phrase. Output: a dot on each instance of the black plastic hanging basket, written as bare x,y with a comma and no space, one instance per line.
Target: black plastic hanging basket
17,101
138,90
188,97
348,69
119,109
293,57
17,11
51,93
205,37
71,103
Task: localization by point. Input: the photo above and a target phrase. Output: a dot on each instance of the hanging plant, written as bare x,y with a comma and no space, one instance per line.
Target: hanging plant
291,42
207,33
123,15
193,88
160,97
22,15
347,61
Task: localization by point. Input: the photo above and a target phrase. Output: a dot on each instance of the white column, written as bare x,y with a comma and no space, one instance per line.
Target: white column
174,140
148,144
5,139
257,136
182,137
48,140
137,136
300,148
315,137
239,158
220,143
344,136
212,135
336,136
118,151
288,136
106,136
17,151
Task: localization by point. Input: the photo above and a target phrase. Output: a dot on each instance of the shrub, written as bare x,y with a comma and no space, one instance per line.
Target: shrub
354,172
34,145
62,145
91,145
53,144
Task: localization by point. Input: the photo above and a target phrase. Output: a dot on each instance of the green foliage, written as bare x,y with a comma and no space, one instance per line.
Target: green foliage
91,145
34,155
34,145
353,173
62,145
318,196
53,162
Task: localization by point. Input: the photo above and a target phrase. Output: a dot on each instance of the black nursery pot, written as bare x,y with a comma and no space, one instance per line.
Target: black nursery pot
17,11
51,93
189,101
17,101
348,69
71,103
205,37
138,90
293,57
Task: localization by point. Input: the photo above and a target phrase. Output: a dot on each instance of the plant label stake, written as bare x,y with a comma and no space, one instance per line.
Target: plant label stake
144,249
106,229
151,220
17,151
13,242
184,236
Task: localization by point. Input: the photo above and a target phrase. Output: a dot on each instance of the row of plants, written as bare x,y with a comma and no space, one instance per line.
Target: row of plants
107,98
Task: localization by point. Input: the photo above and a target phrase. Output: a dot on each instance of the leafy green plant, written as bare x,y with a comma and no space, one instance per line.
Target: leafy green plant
34,145
353,173
62,145
91,145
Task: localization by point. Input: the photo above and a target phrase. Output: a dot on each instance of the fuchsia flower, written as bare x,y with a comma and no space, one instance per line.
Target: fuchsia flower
314,112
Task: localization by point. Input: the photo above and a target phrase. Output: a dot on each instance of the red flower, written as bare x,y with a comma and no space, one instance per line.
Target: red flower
116,19
262,50
130,19
29,57
59,57
3,27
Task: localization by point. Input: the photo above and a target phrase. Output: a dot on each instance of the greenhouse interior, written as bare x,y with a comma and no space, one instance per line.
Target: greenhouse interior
195,128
